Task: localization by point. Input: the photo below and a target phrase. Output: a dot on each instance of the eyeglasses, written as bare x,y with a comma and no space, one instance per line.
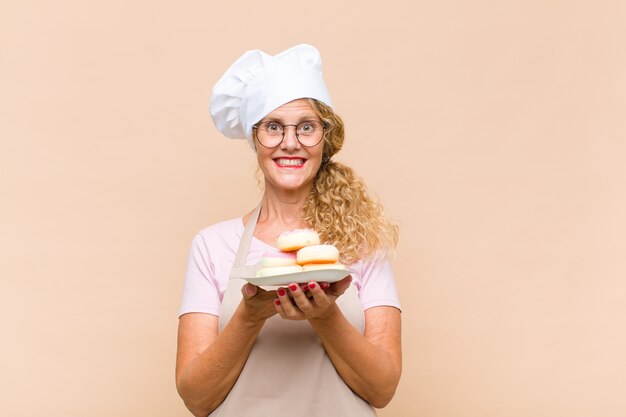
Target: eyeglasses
271,134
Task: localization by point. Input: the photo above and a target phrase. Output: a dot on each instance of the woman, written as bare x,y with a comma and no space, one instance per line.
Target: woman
314,349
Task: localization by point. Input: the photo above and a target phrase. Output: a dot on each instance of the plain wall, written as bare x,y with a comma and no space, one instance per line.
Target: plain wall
493,133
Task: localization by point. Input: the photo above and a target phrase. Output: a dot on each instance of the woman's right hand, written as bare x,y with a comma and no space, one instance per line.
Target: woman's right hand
257,304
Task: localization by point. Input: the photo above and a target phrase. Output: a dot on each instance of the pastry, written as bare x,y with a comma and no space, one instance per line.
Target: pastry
317,267
293,240
278,270
272,259
318,254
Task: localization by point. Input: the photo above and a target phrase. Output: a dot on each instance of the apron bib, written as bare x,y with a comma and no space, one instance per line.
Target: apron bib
287,371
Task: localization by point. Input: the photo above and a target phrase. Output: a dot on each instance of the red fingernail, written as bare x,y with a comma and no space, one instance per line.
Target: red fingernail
312,285
324,285
305,288
277,302
293,287
281,292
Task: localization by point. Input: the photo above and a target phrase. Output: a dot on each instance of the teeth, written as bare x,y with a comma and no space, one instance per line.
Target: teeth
290,162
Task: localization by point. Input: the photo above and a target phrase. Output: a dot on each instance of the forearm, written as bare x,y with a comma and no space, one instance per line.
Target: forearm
367,368
206,381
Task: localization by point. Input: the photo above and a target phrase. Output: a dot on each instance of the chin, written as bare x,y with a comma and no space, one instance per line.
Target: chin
291,185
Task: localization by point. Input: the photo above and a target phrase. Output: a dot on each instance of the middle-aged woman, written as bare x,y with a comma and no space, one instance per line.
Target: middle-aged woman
308,349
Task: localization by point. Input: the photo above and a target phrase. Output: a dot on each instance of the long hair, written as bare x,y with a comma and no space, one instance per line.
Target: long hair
339,207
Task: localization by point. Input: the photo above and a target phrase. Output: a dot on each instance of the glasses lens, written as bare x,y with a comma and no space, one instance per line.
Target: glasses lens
310,132
270,134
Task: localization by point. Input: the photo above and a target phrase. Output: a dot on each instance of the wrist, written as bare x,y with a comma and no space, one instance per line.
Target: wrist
248,320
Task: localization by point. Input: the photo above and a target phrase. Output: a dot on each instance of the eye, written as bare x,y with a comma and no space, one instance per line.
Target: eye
306,127
273,127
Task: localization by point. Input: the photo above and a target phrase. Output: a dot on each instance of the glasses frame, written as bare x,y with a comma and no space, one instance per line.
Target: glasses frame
324,127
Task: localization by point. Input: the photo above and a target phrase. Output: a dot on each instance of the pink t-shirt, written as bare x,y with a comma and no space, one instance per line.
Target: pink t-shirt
213,253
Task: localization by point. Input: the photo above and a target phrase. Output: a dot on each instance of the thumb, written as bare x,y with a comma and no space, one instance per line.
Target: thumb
248,291
341,286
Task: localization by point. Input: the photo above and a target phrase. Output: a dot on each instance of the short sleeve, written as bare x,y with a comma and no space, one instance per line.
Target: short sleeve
200,293
377,284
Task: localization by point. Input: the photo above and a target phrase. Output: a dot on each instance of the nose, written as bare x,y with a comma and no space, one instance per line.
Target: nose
290,140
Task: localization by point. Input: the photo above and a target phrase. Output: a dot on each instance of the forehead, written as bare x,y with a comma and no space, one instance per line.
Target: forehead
296,108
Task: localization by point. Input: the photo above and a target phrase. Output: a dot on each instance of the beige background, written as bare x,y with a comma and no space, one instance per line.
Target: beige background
493,132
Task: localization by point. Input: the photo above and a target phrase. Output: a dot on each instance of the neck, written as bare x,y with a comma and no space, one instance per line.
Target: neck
283,207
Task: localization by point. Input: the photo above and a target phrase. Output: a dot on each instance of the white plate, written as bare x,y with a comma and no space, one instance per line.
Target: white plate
322,275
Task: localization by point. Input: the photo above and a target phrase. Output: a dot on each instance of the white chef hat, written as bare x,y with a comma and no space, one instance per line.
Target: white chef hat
258,83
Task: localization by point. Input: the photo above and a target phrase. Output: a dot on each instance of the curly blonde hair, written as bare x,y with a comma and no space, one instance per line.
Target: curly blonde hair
339,208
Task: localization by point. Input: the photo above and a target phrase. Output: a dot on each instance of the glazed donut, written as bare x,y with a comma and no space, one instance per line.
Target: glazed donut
318,254
293,240
273,259
317,267
278,270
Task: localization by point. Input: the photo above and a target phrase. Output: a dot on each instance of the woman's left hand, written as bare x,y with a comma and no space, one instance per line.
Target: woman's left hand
295,304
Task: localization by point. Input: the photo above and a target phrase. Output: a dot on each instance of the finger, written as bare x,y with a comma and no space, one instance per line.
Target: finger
248,291
300,298
305,289
320,299
289,309
279,308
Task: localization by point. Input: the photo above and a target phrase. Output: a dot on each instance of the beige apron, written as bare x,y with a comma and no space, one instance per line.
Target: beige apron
287,372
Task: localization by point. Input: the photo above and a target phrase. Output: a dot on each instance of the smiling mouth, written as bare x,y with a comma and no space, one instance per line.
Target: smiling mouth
290,162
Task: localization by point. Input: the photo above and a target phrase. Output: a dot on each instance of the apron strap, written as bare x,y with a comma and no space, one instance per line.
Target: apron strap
240,270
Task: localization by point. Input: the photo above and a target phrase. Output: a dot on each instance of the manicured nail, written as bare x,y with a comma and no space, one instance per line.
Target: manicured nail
281,292
277,302
324,285
305,288
312,285
293,287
